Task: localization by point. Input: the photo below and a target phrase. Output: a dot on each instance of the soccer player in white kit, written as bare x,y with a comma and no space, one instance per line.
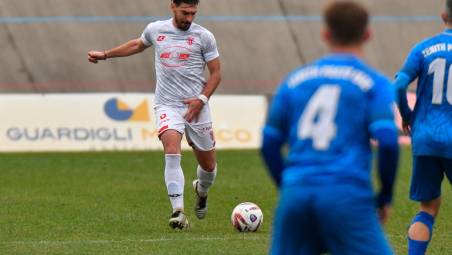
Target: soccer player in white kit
182,50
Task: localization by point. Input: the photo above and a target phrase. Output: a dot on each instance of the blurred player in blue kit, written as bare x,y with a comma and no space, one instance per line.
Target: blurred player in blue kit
430,125
326,113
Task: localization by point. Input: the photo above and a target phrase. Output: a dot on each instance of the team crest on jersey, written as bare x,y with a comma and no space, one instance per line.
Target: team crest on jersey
161,38
190,41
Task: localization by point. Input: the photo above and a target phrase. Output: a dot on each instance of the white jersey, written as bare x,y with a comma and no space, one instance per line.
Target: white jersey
180,60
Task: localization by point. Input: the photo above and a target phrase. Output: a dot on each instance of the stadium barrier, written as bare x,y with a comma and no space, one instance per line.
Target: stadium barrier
102,122
94,122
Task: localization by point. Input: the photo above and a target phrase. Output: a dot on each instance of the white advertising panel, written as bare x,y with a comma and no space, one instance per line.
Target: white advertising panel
85,122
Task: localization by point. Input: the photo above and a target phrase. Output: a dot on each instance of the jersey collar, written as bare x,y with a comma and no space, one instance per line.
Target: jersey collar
447,31
178,30
343,56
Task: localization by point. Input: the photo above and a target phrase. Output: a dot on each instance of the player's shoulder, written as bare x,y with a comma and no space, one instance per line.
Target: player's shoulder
297,75
379,79
158,24
198,28
201,31
381,83
377,75
431,39
428,41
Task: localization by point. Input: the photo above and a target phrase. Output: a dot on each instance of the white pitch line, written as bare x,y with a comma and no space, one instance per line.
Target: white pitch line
63,242
443,236
66,242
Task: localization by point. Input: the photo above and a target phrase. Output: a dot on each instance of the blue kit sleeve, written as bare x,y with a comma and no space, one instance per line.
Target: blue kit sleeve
383,129
274,135
400,85
408,73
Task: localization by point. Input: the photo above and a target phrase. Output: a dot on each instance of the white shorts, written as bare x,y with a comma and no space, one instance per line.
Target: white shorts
199,134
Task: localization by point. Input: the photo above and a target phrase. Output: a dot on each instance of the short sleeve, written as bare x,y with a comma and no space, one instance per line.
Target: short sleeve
146,36
412,65
209,47
381,105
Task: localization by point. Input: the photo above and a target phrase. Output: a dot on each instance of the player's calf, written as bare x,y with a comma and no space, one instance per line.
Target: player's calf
201,187
201,201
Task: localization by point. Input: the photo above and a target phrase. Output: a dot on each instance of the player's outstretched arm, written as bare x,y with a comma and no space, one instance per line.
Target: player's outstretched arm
127,49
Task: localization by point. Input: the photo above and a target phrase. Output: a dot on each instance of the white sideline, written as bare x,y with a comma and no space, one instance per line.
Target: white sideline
63,242
243,237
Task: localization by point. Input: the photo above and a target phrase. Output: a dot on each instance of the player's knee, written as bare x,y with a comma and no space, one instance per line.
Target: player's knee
172,149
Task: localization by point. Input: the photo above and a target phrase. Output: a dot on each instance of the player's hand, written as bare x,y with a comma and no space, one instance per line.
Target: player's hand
406,128
95,56
195,106
384,213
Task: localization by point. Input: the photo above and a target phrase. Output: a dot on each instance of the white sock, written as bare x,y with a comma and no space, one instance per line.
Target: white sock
206,179
175,181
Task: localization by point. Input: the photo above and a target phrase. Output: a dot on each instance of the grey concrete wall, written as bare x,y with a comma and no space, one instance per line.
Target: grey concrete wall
51,57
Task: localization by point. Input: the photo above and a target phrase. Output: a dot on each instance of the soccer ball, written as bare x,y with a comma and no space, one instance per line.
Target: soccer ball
247,217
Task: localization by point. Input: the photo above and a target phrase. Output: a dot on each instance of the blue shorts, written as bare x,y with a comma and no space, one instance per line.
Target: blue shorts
428,174
340,219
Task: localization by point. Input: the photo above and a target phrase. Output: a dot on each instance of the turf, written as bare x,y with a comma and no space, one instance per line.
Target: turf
116,203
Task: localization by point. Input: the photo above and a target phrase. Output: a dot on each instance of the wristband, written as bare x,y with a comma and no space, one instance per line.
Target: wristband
203,98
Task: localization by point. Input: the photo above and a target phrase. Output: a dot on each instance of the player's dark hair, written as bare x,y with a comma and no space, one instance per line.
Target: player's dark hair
347,22
190,2
449,9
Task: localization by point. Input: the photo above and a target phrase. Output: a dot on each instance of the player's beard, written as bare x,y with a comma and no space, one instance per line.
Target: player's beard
183,25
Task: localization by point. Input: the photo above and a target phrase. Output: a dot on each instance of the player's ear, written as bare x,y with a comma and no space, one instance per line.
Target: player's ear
367,35
173,6
445,17
326,35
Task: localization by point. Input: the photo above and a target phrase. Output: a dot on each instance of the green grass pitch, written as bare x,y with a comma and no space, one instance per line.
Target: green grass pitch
116,203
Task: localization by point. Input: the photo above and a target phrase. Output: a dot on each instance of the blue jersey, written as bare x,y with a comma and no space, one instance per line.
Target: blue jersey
326,112
430,62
